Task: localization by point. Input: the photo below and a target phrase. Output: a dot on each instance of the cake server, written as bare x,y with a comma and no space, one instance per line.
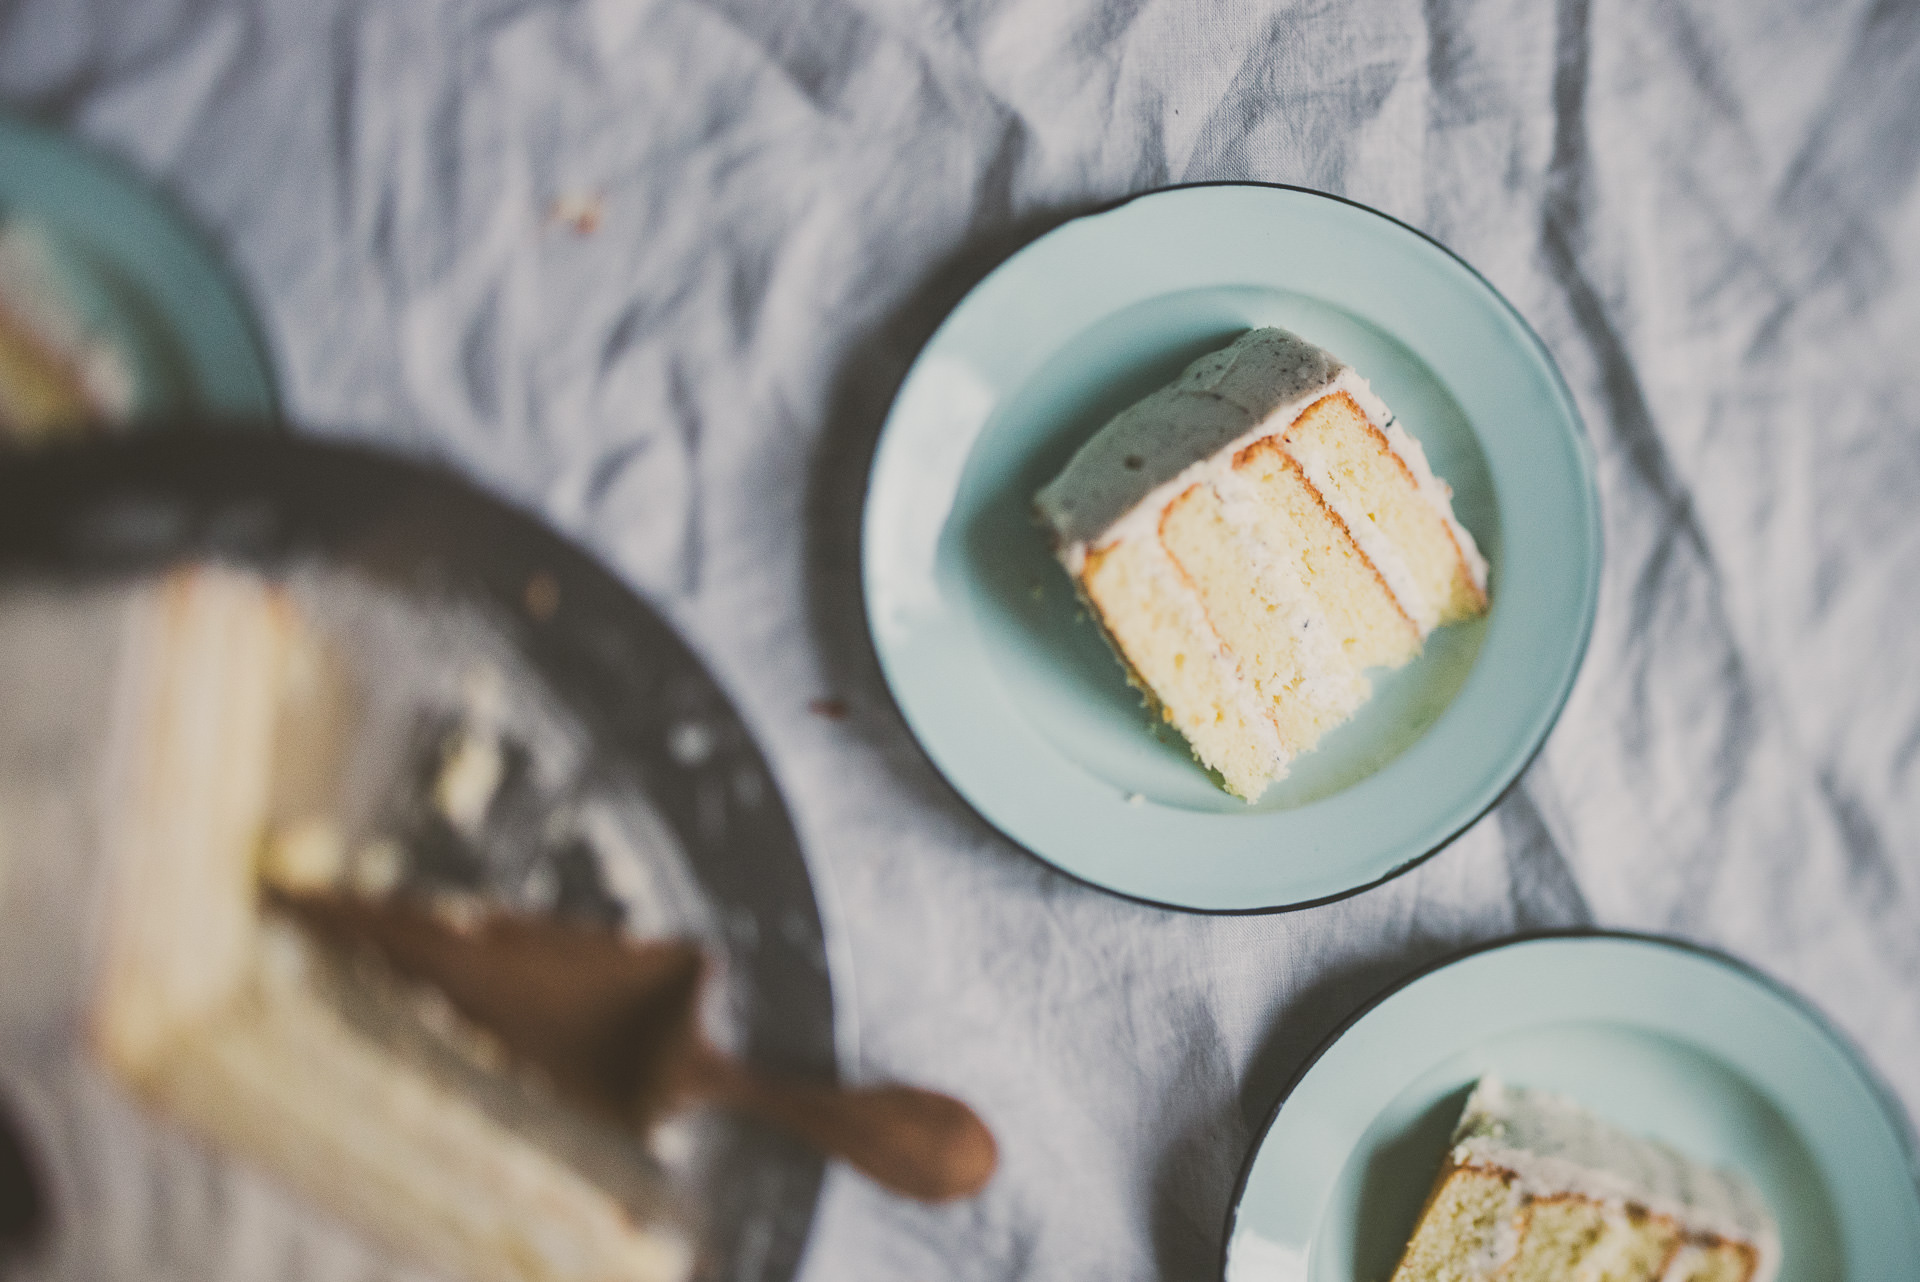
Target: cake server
612,1022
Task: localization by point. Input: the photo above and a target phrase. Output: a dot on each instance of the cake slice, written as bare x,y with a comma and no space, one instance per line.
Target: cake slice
1535,1189
54,375
1252,538
242,1028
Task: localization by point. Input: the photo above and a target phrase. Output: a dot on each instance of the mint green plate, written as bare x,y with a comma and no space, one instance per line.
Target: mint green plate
1010,689
138,276
1664,1039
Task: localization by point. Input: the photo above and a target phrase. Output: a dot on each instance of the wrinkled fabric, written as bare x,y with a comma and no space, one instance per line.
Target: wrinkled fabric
653,270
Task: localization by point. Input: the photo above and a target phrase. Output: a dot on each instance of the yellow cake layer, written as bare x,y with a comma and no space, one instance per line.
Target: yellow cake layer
1373,629
1477,1226
1714,1262
1337,444
1463,1216
1250,586
1566,1238
211,1013
1152,616
1269,588
281,1078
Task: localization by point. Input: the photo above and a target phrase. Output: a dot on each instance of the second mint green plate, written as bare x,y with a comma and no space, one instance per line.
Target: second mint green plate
1011,690
1667,1040
138,276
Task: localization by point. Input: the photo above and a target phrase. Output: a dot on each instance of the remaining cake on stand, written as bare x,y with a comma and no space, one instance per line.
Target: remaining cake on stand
1252,538
351,1088
1535,1189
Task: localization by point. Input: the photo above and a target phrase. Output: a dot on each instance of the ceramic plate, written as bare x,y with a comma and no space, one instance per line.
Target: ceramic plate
1667,1040
1010,688
138,276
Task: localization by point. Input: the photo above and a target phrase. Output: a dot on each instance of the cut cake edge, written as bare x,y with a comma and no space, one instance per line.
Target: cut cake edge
1132,503
203,1009
1734,1241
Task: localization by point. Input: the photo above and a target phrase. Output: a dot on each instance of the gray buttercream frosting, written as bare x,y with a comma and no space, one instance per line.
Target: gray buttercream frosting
1217,400
1552,1146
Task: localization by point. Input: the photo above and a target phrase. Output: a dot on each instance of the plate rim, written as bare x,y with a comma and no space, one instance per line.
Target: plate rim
1903,1128
1583,449
95,163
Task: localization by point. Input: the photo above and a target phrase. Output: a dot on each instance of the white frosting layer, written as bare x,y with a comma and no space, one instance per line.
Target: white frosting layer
1552,1146
1244,698
1326,676
1121,482
1149,453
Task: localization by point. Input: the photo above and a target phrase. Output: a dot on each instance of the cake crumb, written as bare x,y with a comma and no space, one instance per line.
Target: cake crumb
542,596
460,912
672,1143
376,868
307,855
541,889
580,212
690,743
831,708
470,774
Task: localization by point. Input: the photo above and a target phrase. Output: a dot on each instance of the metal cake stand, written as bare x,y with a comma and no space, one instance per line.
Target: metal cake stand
654,718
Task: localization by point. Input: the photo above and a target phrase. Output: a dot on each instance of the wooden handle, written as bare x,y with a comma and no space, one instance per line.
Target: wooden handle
611,1022
917,1143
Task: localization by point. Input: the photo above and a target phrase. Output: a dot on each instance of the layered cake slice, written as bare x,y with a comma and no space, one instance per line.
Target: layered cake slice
1535,1189
54,375
1252,538
365,1095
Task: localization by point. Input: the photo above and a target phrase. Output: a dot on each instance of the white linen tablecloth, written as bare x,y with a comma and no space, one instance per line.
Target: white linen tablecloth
654,269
